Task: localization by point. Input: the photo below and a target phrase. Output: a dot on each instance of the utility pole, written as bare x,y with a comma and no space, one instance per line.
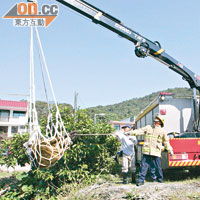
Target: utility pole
75,103
95,117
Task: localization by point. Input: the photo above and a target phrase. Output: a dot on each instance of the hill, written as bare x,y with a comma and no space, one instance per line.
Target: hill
42,108
119,111
133,107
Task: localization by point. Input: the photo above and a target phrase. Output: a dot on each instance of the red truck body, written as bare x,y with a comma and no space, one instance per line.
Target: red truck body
186,152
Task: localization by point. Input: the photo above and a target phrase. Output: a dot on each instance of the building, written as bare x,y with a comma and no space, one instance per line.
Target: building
13,117
119,124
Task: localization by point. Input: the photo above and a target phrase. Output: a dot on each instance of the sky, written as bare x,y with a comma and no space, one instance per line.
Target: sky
95,62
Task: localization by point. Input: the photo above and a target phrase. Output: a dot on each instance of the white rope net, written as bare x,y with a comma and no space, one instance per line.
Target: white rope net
44,149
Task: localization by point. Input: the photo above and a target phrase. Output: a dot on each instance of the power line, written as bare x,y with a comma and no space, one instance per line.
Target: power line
27,95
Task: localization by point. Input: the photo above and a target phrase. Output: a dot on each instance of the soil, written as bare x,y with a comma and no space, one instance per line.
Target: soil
150,191
177,186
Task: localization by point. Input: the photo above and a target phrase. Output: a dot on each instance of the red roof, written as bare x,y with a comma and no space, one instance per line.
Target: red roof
16,104
166,93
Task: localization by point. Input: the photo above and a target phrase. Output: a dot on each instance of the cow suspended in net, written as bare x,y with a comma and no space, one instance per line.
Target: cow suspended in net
44,149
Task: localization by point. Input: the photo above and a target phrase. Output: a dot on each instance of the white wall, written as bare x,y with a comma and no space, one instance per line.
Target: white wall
19,121
179,115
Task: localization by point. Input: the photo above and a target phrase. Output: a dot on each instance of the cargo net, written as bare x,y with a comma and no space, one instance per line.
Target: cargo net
44,149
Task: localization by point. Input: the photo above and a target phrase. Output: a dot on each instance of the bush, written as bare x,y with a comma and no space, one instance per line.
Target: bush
12,151
88,157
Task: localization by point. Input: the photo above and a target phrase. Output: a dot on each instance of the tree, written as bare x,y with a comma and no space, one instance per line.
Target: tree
87,157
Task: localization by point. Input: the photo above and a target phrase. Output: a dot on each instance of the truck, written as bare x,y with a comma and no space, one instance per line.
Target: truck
178,114
187,144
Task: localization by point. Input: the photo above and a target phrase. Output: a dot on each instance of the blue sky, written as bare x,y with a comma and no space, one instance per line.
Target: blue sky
94,61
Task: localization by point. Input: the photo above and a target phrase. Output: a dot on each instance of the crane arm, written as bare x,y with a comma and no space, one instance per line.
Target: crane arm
144,47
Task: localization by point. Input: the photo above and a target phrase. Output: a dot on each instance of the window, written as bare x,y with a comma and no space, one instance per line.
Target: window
3,129
3,132
4,115
14,129
22,127
17,114
117,127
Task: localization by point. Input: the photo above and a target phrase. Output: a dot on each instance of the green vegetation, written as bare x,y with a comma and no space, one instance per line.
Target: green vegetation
4,174
42,108
87,159
119,111
133,107
13,151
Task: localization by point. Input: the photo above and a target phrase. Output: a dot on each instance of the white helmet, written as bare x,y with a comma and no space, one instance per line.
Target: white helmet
161,119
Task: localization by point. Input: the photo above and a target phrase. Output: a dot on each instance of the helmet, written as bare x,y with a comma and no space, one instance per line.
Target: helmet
127,125
161,119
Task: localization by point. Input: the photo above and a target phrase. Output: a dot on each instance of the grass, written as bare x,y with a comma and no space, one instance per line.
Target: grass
185,196
72,192
184,178
4,174
77,191
7,178
180,175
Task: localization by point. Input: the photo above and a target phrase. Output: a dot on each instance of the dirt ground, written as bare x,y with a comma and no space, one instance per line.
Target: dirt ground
177,186
150,191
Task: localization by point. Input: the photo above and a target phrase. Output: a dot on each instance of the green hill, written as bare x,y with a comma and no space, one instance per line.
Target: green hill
119,111
42,108
132,107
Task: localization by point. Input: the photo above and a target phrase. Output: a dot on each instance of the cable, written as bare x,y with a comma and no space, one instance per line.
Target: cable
44,151
41,66
93,134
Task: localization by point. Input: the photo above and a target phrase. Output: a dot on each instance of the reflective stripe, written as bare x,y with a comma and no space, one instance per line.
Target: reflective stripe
173,163
98,15
177,164
194,163
190,163
155,138
159,140
151,136
183,163
159,51
147,149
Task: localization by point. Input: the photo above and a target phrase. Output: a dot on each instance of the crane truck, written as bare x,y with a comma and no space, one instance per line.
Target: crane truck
144,47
